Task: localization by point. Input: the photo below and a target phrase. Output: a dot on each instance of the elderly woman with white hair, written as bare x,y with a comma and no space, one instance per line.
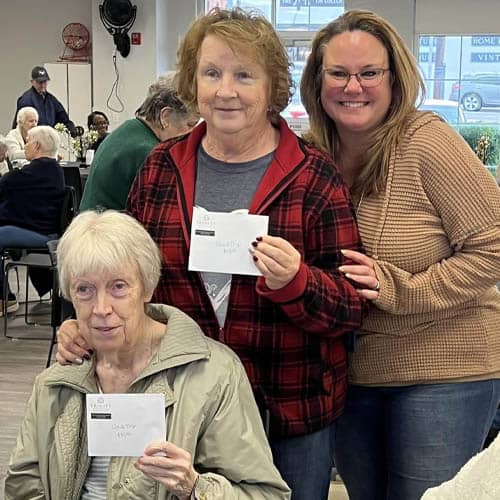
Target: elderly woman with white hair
214,446
31,199
27,118
4,168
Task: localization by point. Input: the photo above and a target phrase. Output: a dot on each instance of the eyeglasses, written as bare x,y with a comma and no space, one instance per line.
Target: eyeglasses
366,78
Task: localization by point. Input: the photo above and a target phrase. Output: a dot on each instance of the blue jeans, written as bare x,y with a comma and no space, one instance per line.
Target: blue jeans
305,463
393,443
496,420
17,237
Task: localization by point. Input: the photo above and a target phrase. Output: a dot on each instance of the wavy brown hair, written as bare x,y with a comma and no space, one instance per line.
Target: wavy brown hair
407,85
248,34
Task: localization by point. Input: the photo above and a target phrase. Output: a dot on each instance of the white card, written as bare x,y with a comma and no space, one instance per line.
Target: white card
220,242
122,425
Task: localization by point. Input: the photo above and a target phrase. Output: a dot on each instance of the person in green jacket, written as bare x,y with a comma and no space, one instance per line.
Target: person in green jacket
214,447
114,167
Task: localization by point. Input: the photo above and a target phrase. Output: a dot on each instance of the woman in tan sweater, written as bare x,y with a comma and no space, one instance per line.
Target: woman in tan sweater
425,370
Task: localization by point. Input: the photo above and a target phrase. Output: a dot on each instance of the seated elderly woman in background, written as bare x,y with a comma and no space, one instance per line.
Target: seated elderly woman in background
161,116
31,198
27,118
4,167
99,122
215,446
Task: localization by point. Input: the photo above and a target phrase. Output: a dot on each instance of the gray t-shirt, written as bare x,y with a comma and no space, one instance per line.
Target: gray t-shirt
225,187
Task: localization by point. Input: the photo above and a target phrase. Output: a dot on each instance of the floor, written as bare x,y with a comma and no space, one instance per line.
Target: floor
20,361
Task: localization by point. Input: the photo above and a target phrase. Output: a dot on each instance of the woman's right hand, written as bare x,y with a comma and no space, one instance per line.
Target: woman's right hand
71,346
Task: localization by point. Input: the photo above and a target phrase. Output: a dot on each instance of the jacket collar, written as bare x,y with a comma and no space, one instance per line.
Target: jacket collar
182,343
286,165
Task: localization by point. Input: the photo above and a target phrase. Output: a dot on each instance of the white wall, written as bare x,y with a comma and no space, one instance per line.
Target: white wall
444,17
136,71
30,34
172,21
450,17
398,12
161,23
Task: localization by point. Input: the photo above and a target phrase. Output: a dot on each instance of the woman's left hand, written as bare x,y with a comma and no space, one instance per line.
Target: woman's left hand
171,466
276,259
362,273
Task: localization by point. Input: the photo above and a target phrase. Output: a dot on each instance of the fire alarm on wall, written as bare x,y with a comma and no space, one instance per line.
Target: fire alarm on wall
135,38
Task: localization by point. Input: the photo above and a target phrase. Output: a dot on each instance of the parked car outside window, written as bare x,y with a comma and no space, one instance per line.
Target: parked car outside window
477,90
450,111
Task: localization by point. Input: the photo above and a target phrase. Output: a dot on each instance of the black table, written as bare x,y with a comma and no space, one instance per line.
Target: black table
84,169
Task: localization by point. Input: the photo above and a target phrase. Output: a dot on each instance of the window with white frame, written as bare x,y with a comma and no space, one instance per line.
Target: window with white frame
462,79
288,15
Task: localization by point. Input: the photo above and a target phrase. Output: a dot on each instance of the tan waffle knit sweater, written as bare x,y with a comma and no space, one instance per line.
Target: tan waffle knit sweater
435,235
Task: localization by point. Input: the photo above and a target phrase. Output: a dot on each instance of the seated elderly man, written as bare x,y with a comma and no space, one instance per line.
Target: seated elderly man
214,447
50,110
31,199
27,118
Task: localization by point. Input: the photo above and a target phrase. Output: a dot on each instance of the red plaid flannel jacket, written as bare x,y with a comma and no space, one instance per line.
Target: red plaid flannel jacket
291,341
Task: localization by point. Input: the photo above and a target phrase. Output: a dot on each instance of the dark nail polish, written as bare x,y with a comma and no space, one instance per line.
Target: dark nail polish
87,357
90,351
255,258
259,238
254,243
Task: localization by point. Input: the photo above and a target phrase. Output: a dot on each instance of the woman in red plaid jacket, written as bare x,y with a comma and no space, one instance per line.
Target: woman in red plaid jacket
289,325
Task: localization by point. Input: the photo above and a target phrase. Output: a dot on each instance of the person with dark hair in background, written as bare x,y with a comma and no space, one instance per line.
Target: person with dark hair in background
425,372
161,116
289,325
50,110
99,122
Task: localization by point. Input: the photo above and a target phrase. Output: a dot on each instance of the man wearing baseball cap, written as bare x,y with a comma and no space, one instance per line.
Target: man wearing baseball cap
50,110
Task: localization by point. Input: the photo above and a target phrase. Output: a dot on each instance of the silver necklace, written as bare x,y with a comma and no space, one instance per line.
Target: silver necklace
360,201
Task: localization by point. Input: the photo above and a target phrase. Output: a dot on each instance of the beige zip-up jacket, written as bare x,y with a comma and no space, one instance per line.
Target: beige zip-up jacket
209,411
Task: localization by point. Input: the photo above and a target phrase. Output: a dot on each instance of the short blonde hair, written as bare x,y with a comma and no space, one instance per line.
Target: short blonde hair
47,137
246,33
107,241
24,112
407,85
